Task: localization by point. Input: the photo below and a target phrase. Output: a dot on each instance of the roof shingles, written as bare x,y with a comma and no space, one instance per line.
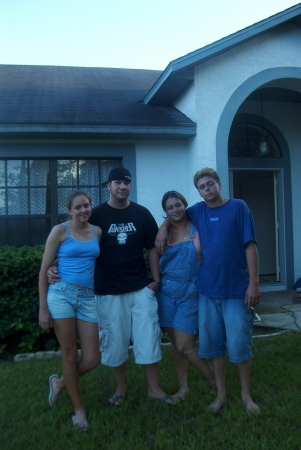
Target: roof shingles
41,95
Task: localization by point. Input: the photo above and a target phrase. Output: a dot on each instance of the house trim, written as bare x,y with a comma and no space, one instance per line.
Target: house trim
58,131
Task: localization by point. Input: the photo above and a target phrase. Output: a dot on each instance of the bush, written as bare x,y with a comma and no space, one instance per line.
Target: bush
19,301
19,304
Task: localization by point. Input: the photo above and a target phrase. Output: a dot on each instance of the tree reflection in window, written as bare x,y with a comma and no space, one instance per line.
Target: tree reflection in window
26,189
33,194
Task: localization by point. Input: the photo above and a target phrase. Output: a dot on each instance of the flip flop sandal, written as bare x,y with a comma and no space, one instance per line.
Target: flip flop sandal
165,400
50,389
116,398
77,422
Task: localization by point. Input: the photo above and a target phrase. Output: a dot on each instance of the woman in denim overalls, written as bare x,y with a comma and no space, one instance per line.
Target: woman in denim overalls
178,296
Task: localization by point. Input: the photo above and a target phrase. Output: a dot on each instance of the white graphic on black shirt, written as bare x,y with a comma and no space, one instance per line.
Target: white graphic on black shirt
121,231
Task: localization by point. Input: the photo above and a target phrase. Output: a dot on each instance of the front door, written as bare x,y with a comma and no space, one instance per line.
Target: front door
258,189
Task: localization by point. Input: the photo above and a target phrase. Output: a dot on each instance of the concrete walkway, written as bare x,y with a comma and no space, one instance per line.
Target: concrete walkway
278,309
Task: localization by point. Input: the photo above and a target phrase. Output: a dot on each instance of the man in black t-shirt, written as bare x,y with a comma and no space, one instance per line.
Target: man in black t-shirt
126,302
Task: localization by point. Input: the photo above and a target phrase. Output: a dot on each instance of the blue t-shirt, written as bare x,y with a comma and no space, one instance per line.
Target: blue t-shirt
223,233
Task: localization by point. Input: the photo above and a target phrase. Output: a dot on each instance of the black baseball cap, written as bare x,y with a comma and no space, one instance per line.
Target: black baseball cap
118,173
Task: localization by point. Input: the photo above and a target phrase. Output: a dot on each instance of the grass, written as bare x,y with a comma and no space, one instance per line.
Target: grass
27,422
263,331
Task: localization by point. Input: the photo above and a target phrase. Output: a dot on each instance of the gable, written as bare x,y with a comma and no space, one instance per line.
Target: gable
179,73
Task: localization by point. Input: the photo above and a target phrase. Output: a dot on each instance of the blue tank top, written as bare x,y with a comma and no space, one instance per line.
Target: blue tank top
76,260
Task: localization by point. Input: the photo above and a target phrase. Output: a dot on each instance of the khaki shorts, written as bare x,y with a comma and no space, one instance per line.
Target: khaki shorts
125,318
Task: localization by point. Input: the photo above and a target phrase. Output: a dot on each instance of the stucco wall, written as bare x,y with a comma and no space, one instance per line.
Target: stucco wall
216,81
186,103
162,166
223,83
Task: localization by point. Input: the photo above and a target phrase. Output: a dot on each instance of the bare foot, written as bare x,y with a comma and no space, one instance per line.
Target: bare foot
251,406
80,420
217,404
54,389
116,400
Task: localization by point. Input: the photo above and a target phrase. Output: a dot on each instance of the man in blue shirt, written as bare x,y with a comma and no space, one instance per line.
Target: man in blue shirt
228,292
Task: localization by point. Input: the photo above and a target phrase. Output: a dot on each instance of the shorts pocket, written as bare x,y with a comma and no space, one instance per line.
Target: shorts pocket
150,292
91,297
252,316
59,286
103,339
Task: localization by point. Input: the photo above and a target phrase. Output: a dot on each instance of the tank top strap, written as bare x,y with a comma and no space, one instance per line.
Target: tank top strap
192,230
93,228
66,228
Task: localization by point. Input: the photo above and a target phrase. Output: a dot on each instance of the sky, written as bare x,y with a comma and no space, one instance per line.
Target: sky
134,34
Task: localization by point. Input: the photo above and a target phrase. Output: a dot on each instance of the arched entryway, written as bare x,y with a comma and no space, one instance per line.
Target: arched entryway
274,200
257,172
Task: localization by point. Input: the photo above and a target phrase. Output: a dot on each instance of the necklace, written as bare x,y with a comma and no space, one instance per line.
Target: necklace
176,236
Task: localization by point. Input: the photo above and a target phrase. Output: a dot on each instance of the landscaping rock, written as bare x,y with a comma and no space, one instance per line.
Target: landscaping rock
24,357
45,355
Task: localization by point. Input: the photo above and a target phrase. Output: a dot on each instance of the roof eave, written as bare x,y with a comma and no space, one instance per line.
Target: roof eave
17,131
192,59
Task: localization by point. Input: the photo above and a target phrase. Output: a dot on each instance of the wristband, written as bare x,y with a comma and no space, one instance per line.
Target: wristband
157,282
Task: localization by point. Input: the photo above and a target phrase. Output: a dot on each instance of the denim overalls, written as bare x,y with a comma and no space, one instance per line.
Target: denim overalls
178,296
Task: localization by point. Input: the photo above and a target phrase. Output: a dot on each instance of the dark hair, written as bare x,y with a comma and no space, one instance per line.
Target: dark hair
205,172
75,194
173,194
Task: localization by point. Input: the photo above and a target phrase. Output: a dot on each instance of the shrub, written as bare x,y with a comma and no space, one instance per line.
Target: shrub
19,306
19,300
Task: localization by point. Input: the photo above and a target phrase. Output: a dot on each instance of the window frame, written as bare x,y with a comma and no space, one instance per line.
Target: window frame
125,154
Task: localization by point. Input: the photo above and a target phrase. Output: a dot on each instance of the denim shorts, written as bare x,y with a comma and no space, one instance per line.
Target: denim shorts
65,300
178,303
132,316
225,325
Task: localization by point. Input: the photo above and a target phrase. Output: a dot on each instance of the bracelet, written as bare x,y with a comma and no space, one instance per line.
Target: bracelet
158,282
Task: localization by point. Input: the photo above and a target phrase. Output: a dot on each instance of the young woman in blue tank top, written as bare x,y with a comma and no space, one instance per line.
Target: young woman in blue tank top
178,296
69,305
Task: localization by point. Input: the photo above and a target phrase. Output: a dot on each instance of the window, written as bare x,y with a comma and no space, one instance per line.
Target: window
33,194
252,141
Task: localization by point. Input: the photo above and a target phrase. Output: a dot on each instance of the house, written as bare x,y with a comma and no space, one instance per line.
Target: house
234,105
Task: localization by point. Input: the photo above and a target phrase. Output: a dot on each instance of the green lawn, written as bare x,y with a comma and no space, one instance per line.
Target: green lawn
27,422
